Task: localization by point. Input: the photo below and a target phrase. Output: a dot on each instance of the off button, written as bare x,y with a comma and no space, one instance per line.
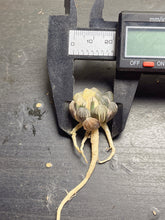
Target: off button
148,64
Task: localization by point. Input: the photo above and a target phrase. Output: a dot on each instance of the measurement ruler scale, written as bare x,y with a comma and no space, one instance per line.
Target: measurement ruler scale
92,43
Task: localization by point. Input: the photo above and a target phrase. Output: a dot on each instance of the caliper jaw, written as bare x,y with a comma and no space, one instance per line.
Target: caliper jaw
97,22
60,65
125,86
96,17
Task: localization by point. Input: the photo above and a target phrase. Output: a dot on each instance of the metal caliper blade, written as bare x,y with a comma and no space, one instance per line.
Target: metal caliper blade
60,65
125,86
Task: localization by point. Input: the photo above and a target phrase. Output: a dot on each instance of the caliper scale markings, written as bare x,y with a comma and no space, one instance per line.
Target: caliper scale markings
91,43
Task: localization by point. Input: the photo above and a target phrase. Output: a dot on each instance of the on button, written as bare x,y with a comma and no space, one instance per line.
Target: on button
148,64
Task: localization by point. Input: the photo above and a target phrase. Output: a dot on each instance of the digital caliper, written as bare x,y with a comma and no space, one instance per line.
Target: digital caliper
136,42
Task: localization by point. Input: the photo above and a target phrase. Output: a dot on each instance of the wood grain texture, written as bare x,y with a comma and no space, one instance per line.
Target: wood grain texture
130,186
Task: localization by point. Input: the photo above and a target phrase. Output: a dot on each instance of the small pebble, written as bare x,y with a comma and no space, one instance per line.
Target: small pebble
49,165
38,105
154,212
41,12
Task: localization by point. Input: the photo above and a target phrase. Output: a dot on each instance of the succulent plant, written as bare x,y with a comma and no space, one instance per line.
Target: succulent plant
92,108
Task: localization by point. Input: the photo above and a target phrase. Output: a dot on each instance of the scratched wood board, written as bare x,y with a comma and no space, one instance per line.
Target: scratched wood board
129,187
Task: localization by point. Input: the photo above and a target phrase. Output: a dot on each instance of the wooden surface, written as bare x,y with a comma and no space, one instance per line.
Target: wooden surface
131,186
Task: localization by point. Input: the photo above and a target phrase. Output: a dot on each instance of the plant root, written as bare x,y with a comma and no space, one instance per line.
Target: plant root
110,141
95,147
73,133
82,145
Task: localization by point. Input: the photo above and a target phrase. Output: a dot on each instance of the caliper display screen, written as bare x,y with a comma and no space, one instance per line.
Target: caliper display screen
145,42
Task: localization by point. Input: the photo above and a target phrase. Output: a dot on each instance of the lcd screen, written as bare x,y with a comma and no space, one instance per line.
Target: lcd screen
145,42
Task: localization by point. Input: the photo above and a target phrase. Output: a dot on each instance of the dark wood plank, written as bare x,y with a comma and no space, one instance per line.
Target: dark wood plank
130,186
